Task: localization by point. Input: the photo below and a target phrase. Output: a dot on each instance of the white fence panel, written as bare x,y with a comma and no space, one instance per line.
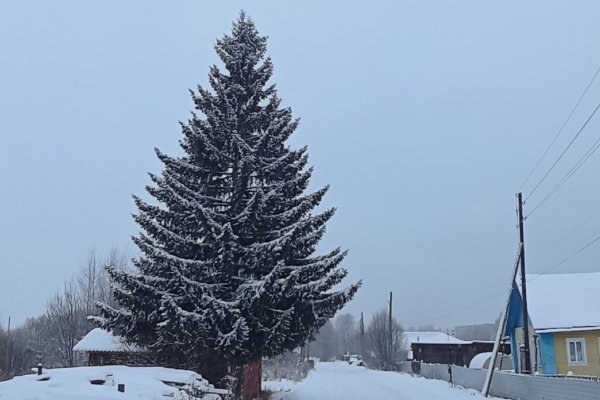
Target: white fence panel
467,377
513,386
524,387
435,371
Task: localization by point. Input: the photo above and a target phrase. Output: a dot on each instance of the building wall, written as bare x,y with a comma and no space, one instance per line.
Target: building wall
547,354
99,358
517,338
449,353
592,353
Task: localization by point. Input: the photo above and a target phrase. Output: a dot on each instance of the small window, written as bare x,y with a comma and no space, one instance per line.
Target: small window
576,351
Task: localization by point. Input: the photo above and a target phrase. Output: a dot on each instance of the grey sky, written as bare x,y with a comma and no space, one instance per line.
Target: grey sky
423,116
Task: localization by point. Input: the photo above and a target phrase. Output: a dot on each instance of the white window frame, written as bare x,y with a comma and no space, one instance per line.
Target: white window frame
583,351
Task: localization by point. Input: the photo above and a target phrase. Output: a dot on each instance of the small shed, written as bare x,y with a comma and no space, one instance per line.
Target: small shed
103,348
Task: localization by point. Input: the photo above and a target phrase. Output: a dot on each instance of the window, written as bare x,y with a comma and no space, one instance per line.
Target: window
576,351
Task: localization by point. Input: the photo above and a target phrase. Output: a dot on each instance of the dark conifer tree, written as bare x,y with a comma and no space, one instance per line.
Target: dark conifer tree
228,271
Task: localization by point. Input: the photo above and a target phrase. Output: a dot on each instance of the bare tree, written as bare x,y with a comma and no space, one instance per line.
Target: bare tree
88,282
66,322
325,344
385,349
54,334
93,283
13,353
345,326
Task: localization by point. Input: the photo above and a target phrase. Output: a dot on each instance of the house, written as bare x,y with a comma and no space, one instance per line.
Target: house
439,347
103,348
564,321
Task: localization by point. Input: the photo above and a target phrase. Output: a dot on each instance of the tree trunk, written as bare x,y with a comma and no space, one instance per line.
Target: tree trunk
250,382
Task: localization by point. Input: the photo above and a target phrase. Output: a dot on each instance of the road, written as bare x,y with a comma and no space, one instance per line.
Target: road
340,381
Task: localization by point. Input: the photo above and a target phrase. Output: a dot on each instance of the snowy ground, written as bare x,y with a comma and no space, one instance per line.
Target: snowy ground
141,383
340,381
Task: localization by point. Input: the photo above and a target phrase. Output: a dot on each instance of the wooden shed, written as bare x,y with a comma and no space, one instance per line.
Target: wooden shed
101,347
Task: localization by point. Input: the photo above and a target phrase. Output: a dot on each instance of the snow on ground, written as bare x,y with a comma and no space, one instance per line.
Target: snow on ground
340,381
145,383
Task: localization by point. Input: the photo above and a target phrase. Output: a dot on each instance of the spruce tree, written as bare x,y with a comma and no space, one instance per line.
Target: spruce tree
228,271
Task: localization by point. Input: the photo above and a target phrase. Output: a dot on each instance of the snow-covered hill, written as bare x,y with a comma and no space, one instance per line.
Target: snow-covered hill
341,381
147,383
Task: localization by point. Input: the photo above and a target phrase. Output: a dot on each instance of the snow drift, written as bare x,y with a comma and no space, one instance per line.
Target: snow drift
101,383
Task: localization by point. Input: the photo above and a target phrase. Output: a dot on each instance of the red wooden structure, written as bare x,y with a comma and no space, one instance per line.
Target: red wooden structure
251,381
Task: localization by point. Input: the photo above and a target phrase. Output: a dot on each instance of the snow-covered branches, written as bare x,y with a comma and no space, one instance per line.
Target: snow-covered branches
228,271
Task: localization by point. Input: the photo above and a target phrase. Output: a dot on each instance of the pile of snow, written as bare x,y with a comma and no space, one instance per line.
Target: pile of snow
339,380
356,360
147,383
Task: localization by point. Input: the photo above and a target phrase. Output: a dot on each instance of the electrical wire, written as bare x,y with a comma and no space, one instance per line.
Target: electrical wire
486,299
569,174
571,233
560,130
563,152
564,260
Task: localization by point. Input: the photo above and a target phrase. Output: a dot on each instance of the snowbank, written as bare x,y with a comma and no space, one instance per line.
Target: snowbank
147,383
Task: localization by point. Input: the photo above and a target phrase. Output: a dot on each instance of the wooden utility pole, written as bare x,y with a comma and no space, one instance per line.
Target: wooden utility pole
526,344
501,328
391,331
361,333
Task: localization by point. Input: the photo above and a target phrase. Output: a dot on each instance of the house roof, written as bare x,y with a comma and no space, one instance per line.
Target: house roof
564,302
103,341
431,338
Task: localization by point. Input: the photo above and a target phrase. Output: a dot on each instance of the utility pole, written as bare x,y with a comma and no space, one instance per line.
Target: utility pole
391,332
526,349
361,332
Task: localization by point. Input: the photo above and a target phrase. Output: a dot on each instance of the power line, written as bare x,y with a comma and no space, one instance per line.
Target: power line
571,233
482,301
564,260
560,130
563,152
569,174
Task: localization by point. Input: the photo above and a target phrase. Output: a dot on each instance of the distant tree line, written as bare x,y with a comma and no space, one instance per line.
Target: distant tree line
51,336
378,346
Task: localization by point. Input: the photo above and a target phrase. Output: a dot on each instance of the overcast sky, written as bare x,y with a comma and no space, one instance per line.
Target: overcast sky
425,118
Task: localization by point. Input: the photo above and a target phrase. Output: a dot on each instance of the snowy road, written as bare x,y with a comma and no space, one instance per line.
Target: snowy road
340,381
